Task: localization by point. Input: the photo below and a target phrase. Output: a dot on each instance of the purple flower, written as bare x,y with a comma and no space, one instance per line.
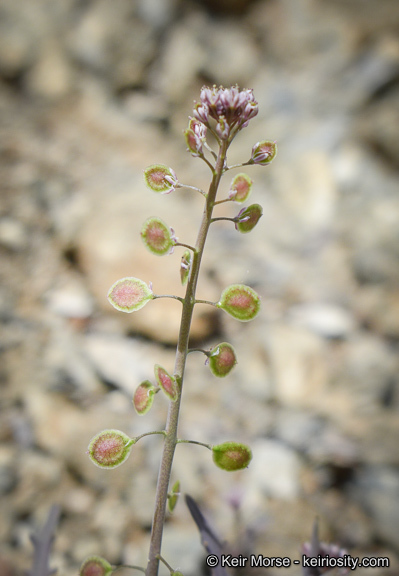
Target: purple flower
232,109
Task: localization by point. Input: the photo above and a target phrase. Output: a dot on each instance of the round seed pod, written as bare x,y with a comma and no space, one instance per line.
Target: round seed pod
160,178
157,236
129,294
95,566
166,382
222,359
231,456
240,301
247,218
110,448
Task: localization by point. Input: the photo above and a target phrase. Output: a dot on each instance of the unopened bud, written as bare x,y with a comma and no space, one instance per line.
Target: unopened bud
129,294
110,448
174,496
240,188
231,456
185,266
222,359
143,397
247,218
263,152
166,382
160,178
95,566
158,237
240,301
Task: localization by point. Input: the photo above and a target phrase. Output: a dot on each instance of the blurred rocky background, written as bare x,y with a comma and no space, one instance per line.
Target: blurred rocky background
93,91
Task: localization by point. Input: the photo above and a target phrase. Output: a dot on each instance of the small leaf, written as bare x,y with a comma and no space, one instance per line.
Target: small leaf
160,178
240,188
222,359
185,265
231,456
143,397
95,566
247,218
157,236
174,496
110,448
129,294
166,382
240,301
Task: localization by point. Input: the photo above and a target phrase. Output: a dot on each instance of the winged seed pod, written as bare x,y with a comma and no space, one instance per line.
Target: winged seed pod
129,294
240,301
240,188
110,448
95,566
158,237
160,178
143,397
263,153
166,382
231,456
247,218
222,359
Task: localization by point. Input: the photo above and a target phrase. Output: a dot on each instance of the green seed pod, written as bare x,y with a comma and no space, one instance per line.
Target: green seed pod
263,152
174,496
129,294
160,178
143,397
222,359
176,573
157,236
247,218
240,301
240,188
95,566
166,382
231,456
110,448
185,266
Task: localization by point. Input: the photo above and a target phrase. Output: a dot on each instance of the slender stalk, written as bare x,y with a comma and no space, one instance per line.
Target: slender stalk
180,362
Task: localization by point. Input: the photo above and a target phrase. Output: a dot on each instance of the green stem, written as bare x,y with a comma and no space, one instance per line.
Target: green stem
209,446
180,362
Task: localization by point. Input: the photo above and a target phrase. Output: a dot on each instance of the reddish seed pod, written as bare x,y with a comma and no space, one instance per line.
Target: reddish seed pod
222,359
95,566
240,301
143,397
110,448
166,382
231,456
160,178
263,152
157,236
129,294
240,188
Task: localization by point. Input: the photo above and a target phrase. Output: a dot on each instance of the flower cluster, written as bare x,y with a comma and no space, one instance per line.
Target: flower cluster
232,109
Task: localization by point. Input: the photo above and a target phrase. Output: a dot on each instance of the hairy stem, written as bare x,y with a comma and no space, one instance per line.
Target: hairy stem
180,362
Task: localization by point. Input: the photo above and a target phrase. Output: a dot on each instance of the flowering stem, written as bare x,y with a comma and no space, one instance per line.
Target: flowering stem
180,362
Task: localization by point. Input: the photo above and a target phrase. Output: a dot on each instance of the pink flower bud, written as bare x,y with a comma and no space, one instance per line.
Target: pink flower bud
166,382
143,397
240,188
185,266
247,218
231,456
129,294
95,566
158,237
222,359
263,152
110,448
160,178
240,301
174,496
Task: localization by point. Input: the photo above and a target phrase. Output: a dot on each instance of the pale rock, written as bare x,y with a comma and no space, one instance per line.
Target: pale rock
326,320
